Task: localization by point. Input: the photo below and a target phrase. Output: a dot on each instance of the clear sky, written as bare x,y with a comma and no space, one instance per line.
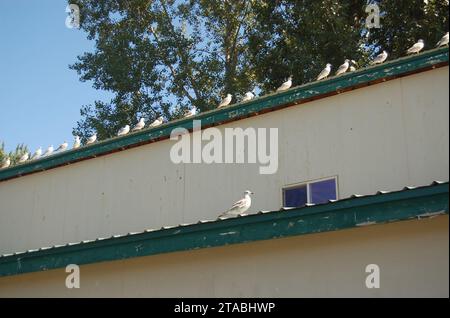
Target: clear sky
40,97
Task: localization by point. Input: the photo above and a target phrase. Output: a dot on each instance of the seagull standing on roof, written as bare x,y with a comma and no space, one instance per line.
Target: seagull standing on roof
24,157
6,162
226,101
325,72
76,143
380,58
286,85
139,125
62,146
240,206
416,48
124,130
248,96
190,112
443,41
91,139
343,68
49,151
37,154
158,121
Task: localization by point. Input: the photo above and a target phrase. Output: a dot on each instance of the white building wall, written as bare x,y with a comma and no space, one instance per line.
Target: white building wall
382,137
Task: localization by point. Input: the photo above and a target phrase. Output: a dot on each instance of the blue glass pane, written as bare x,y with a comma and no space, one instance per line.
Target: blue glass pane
295,197
323,191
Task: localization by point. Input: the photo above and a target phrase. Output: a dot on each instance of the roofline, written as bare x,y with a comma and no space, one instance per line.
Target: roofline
406,204
298,95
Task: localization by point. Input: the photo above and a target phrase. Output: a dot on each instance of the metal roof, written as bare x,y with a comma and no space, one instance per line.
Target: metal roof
355,211
297,95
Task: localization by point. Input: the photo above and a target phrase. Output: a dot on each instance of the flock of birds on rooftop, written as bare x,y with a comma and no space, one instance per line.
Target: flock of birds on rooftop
348,65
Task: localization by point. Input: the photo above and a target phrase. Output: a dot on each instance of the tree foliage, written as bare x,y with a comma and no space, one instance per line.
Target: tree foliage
14,155
159,57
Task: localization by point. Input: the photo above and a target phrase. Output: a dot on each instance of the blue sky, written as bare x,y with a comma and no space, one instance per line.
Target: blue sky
40,97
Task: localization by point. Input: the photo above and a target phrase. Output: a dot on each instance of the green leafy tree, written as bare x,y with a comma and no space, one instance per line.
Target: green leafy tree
14,155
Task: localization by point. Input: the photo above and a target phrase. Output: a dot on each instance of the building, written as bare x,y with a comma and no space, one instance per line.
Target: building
138,224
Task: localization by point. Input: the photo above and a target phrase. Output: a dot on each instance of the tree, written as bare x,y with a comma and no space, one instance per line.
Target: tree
15,155
160,57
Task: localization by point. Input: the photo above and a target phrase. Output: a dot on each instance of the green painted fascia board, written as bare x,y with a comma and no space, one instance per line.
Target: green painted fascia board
348,213
363,77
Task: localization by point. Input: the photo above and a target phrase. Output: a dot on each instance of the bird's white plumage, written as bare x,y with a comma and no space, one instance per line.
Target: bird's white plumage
6,162
139,125
91,139
49,151
240,206
248,96
416,48
226,101
380,58
325,72
443,41
76,143
158,121
190,112
124,130
24,157
37,154
343,68
286,85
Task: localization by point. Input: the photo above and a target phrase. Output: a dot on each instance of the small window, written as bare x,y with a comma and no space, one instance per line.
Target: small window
311,192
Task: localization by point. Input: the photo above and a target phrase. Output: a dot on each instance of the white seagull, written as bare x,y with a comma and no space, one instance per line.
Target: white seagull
24,157
443,41
62,146
37,154
325,72
416,48
76,143
380,58
190,112
286,85
158,121
240,206
248,96
139,125
343,68
124,130
226,101
6,162
91,139
49,151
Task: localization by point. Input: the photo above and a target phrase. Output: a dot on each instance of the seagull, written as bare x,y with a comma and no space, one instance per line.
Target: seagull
158,121
343,68
190,112
62,146
139,125
91,139
240,206
443,41
76,143
380,58
37,154
352,68
24,157
325,72
226,101
416,48
5,163
286,85
124,130
49,151
248,96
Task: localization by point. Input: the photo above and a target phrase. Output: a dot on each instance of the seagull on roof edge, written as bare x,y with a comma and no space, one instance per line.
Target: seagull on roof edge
240,206
325,72
286,85
226,101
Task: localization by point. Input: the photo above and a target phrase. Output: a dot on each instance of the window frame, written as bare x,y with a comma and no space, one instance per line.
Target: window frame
307,184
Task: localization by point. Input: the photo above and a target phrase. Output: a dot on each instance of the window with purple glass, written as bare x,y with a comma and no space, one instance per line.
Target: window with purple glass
310,192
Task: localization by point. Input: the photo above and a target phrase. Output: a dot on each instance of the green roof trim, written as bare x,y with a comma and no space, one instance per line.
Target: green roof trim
300,94
353,212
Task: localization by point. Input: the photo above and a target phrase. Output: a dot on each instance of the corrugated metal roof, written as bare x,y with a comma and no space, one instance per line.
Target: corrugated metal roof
220,219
